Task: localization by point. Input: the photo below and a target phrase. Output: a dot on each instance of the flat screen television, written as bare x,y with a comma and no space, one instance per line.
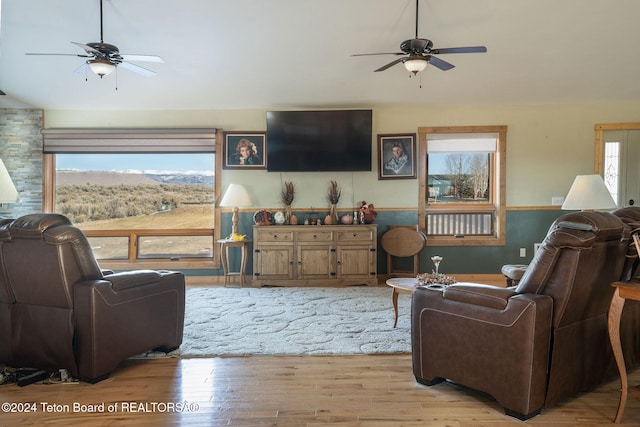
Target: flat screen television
319,141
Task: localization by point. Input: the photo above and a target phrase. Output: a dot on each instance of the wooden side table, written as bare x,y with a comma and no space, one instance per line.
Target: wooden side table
398,285
623,292
225,244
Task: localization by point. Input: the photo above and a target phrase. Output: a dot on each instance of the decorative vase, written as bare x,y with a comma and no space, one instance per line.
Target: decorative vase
333,213
293,220
287,214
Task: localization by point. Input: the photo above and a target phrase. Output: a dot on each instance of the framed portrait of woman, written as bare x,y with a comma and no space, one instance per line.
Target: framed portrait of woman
397,156
245,150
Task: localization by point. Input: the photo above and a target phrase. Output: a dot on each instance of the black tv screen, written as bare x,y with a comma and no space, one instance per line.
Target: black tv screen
315,141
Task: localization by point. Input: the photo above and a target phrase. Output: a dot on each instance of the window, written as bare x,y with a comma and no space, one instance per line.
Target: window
462,191
152,205
612,169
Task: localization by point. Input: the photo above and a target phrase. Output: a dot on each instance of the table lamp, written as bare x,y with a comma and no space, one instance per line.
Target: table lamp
236,195
8,192
588,192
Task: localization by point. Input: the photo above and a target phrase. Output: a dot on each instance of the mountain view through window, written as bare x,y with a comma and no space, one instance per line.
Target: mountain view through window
102,192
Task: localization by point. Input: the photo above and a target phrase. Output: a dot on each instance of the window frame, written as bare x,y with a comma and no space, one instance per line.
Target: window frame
48,204
497,204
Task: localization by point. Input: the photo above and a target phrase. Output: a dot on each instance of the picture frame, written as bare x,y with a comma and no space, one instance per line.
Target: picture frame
397,156
252,143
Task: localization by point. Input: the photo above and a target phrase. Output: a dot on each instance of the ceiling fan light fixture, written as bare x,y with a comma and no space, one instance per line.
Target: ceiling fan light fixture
416,64
101,67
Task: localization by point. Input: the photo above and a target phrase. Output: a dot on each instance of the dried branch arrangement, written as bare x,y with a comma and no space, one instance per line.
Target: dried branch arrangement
334,193
287,193
435,278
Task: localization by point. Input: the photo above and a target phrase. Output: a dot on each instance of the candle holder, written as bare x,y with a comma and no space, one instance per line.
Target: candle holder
436,261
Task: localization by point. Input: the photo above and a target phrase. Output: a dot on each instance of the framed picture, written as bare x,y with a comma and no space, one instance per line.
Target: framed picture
245,150
397,156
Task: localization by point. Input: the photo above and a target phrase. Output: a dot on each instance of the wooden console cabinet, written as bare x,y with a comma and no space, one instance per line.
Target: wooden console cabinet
315,255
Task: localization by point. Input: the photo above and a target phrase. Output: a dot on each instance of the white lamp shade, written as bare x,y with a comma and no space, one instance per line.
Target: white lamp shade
415,64
101,67
8,192
588,192
236,195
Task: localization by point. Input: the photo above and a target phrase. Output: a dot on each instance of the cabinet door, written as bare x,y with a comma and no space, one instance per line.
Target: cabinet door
316,262
273,262
356,262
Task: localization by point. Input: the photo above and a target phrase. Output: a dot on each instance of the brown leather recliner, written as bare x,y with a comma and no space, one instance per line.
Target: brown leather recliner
539,343
58,310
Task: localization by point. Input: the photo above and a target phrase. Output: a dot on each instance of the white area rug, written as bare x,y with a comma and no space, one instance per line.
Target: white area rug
294,321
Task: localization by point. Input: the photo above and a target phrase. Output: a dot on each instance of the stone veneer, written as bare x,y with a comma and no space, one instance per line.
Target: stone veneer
21,152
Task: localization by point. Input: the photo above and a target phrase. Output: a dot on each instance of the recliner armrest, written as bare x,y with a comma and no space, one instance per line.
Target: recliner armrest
131,279
478,294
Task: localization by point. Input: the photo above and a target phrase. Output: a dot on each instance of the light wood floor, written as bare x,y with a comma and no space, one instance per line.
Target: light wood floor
336,391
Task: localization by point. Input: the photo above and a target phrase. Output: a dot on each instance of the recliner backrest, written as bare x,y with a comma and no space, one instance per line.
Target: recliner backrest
60,251
582,253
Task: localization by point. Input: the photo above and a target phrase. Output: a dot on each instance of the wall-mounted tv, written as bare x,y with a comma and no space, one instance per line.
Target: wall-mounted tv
315,141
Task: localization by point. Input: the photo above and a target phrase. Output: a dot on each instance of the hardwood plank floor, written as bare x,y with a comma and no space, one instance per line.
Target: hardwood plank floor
312,391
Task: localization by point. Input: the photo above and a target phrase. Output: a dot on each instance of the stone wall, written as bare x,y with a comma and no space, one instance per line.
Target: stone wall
21,152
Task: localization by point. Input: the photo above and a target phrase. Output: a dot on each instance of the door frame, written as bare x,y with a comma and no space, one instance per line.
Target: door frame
599,147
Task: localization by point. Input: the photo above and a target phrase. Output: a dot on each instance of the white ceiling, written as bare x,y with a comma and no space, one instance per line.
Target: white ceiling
263,54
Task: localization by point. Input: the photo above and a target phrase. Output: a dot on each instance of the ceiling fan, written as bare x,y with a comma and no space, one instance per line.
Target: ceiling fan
420,52
103,57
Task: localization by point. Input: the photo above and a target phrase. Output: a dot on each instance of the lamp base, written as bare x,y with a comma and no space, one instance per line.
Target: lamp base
234,221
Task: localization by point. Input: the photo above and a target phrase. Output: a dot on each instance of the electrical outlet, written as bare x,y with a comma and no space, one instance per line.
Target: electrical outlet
523,252
557,200
536,246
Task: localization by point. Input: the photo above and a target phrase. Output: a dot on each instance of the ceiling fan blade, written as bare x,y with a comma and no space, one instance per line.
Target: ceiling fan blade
59,54
137,69
88,48
469,49
439,63
81,69
383,53
142,58
390,64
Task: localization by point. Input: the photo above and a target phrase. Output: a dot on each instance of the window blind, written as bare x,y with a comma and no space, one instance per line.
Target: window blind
134,140
460,143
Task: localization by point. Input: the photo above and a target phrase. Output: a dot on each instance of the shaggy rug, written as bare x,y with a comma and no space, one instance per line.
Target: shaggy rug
293,321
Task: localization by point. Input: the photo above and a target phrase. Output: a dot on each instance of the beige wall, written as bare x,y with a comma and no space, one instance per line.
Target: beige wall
546,147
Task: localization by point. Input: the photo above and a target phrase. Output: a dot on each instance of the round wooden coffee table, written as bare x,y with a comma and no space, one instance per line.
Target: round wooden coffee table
401,285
